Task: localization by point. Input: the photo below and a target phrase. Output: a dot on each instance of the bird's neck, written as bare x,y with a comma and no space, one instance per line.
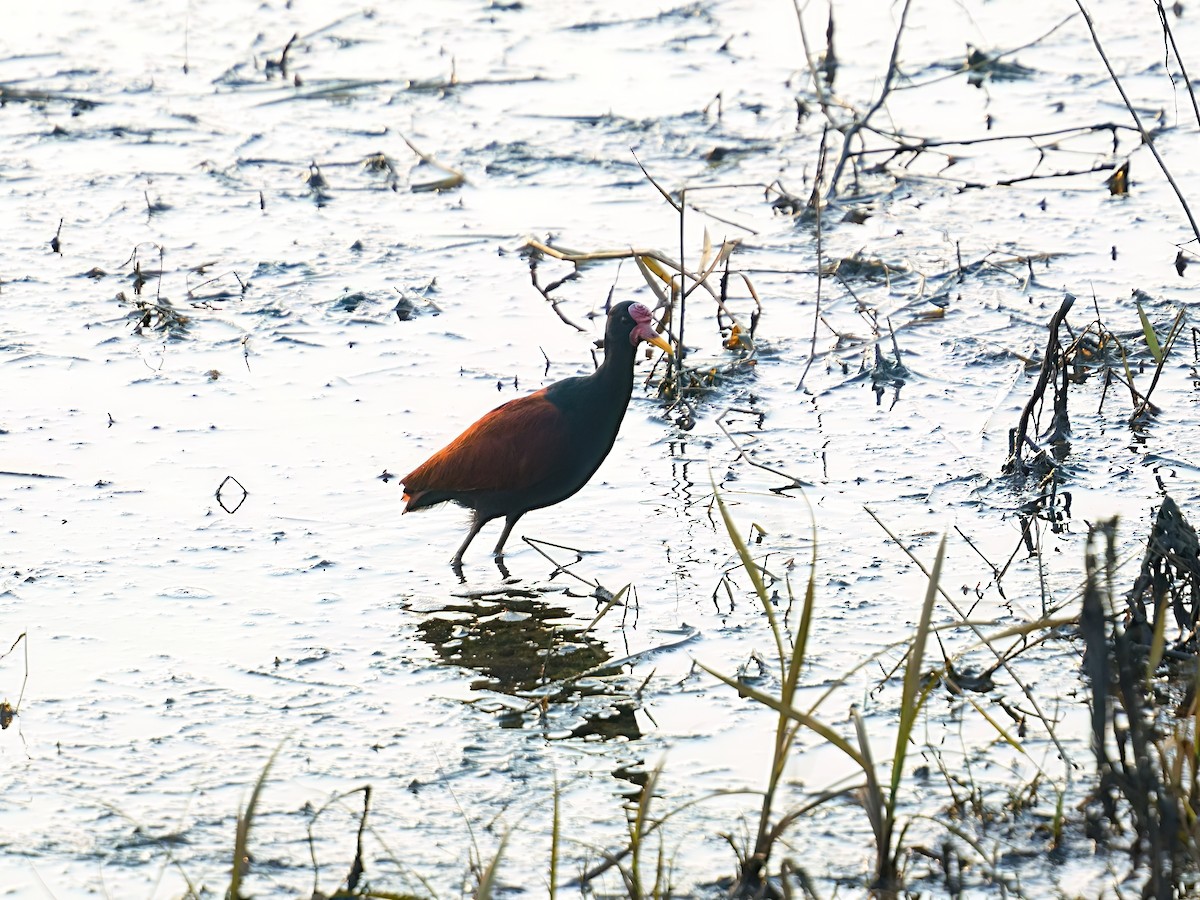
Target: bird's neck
617,367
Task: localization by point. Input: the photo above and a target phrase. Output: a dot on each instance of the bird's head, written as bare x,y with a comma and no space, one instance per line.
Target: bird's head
634,319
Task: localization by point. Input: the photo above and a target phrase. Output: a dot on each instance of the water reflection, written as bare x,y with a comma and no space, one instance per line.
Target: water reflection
527,649
518,643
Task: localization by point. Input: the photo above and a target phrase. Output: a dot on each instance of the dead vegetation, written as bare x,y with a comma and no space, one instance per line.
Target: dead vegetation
1143,703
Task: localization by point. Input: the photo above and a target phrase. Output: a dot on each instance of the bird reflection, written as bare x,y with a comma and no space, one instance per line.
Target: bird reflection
516,642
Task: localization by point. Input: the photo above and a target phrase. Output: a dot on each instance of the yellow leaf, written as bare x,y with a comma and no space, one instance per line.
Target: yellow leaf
1118,181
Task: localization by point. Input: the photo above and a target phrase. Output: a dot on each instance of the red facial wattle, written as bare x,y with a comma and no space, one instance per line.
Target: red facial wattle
643,329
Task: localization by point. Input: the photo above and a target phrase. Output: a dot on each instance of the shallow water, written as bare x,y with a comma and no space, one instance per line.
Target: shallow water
171,646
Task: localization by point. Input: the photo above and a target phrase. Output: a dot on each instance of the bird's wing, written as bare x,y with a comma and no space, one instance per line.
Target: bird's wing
510,448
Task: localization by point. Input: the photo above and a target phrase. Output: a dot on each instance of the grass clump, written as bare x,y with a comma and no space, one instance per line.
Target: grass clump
879,798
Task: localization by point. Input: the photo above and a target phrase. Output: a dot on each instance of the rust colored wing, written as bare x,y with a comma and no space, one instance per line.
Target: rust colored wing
512,447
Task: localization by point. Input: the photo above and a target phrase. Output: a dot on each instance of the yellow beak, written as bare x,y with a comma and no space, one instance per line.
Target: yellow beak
661,344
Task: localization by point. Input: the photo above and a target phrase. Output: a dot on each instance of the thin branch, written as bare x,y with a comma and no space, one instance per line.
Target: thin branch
818,87
908,145
1146,138
816,199
1037,176
796,483
1169,35
859,124
991,57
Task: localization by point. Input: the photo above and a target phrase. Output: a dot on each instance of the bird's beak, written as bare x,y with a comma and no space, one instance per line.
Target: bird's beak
660,344
647,334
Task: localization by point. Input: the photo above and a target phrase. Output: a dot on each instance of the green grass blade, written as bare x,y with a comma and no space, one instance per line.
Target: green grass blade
872,796
638,829
241,852
803,718
554,838
1000,730
755,578
800,647
1151,338
912,697
487,881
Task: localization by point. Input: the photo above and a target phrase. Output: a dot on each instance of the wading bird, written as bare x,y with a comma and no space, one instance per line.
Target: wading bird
538,450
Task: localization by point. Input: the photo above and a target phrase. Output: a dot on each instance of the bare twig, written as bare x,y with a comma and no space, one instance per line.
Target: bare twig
910,145
546,291
1169,35
818,87
816,203
1146,138
860,123
453,179
1036,176
796,483
676,205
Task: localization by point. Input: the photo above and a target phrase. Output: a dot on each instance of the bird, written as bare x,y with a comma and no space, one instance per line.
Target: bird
537,450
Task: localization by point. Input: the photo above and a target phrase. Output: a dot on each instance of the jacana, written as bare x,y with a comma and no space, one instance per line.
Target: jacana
538,450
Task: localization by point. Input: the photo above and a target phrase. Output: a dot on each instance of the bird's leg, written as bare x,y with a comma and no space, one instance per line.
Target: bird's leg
509,522
477,522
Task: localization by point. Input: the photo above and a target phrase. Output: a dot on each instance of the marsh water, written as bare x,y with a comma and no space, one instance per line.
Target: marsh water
235,306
